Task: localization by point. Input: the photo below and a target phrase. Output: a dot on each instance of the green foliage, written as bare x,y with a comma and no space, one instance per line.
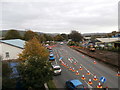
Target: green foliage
42,38
35,69
29,35
51,85
75,36
7,82
65,36
58,38
72,43
12,34
48,37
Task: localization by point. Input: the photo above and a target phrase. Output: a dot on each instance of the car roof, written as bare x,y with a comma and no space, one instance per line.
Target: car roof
51,54
56,66
76,82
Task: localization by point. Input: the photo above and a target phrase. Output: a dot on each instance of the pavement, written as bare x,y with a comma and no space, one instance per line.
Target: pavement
75,59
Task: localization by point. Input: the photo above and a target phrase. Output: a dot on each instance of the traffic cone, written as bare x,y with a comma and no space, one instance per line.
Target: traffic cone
77,73
83,56
75,63
73,69
70,68
118,74
95,78
80,68
88,72
89,82
94,62
67,66
83,77
99,85
106,86
70,58
62,63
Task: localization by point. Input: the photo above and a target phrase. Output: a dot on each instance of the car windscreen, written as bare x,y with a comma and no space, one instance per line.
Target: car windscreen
51,56
56,68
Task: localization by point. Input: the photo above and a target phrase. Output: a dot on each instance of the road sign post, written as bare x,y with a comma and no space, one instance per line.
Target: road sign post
103,79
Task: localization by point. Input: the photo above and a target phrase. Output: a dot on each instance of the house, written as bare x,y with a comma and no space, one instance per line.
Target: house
10,49
108,41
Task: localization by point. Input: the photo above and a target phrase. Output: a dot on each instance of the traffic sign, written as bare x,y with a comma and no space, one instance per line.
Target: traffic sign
60,58
102,79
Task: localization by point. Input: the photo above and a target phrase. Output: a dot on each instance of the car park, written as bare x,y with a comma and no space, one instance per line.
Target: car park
56,69
74,84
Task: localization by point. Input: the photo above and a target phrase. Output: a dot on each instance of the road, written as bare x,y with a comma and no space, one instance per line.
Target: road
74,60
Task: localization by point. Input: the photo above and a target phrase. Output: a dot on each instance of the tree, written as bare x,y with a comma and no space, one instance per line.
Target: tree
35,69
76,36
12,34
42,38
48,37
64,36
7,82
58,38
29,35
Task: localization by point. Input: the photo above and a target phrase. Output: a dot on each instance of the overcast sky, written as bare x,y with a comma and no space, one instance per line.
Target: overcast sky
60,16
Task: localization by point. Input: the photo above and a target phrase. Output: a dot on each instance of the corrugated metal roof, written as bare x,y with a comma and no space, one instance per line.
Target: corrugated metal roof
15,42
108,39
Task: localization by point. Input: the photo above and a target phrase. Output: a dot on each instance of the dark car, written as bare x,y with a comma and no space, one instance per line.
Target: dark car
74,85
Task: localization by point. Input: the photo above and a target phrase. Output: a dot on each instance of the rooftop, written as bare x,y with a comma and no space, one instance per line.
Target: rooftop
14,42
108,39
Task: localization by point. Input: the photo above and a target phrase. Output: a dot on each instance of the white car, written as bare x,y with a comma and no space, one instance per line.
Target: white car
56,69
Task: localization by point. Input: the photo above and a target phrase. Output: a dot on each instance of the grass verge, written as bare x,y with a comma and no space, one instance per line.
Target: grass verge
51,85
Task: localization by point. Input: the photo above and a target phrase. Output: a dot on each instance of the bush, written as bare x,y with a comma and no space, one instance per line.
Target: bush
7,82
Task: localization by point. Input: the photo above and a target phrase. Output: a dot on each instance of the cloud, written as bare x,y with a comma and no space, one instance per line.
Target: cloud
61,16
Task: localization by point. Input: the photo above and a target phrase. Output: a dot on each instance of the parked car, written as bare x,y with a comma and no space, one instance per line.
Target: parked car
56,69
51,58
51,55
74,85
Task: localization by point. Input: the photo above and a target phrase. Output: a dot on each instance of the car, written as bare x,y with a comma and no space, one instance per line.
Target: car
50,50
74,84
51,54
51,58
56,69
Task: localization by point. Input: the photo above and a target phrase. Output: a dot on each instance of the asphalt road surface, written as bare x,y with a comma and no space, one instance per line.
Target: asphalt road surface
74,59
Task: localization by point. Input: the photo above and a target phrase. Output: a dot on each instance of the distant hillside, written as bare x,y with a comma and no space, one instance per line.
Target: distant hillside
3,33
91,34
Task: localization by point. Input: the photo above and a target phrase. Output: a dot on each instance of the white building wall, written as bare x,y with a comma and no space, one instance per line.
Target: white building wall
12,50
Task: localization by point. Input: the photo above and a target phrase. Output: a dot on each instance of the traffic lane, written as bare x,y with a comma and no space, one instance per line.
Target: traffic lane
83,71
89,61
71,75
99,66
79,77
104,72
65,75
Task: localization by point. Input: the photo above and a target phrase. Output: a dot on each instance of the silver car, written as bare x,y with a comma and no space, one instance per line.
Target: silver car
56,69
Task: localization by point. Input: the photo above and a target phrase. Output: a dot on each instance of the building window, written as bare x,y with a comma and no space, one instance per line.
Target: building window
7,54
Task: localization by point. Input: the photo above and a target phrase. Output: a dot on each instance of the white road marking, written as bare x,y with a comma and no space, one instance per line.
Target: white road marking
83,66
87,70
70,60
